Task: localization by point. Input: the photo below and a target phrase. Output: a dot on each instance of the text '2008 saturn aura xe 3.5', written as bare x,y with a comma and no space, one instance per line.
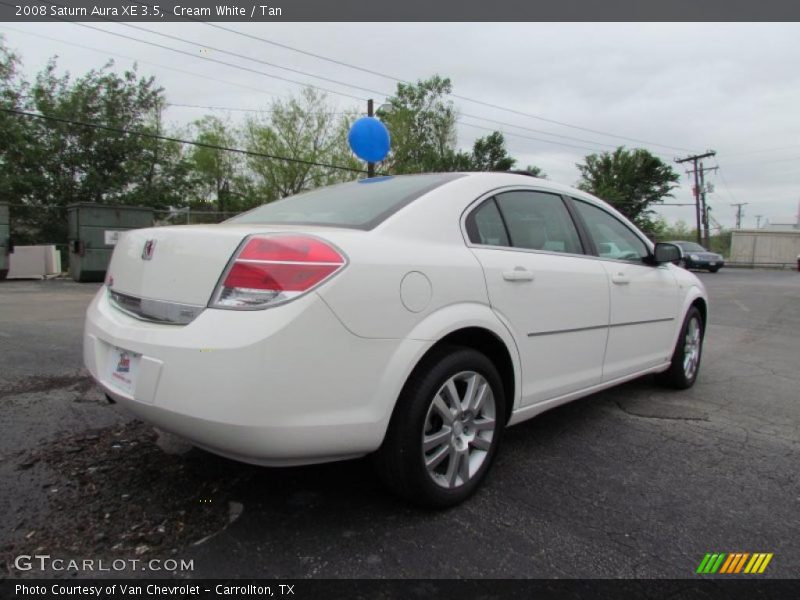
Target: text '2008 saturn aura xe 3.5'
411,317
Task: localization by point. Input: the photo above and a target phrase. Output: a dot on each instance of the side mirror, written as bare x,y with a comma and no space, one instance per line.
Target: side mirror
664,253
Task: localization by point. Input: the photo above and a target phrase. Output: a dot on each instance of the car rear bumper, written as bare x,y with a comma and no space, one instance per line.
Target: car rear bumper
287,385
705,264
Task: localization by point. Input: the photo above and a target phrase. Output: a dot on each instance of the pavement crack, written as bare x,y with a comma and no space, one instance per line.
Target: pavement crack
662,417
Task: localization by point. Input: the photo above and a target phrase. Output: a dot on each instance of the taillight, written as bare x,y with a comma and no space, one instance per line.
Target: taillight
273,269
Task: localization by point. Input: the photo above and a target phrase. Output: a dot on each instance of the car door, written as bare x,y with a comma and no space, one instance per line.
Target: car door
644,297
552,297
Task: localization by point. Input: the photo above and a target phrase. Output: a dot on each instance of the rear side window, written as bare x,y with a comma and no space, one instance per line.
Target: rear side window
485,225
361,204
538,221
612,237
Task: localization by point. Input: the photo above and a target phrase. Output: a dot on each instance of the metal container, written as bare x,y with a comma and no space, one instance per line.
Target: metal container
93,233
5,239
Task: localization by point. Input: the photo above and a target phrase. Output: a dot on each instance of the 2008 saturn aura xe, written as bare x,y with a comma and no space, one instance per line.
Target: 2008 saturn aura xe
409,317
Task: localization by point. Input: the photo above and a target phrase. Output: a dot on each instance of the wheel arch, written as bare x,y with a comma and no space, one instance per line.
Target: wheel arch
473,326
702,306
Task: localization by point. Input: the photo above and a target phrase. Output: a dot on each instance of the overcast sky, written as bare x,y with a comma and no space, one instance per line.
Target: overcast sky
734,88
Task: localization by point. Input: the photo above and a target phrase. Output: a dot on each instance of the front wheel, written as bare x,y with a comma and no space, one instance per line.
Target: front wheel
713,269
685,364
445,429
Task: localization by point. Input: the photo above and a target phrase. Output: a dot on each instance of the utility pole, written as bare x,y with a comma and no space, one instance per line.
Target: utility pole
758,221
697,206
739,213
370,113
704,204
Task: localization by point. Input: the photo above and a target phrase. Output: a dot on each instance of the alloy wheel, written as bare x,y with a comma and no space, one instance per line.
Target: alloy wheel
691,348
459,428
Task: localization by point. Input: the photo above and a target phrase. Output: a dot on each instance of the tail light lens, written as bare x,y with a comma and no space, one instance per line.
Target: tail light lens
272,269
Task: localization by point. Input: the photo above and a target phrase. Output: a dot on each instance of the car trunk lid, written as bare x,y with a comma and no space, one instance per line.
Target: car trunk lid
182,265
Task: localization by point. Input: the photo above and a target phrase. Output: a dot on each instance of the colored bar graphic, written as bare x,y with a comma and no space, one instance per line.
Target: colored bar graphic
727,564
717,565
703,563
740,565
734,562
764,564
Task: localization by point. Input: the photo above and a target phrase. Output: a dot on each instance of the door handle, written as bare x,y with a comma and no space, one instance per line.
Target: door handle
518,274
620,279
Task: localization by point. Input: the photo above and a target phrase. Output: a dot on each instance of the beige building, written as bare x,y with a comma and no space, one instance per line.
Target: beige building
765,247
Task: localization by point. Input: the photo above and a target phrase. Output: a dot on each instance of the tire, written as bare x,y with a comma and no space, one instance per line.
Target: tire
713,269
432,459
685,364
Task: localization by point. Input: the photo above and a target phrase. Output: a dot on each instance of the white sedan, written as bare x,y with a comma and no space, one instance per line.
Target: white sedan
409,317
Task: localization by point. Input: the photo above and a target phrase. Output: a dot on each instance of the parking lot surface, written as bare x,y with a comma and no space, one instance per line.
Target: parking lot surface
636,481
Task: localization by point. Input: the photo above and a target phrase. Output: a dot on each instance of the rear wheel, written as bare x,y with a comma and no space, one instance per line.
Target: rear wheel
445,429
685,365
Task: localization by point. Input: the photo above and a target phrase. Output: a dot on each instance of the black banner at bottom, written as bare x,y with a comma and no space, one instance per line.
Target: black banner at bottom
300,589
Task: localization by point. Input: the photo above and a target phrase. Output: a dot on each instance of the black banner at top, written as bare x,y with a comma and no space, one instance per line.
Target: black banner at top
275,11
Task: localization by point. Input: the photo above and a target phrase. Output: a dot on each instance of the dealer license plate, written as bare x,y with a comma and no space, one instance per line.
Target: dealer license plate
123,366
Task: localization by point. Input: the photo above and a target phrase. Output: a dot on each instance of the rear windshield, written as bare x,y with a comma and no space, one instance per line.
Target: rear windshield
361,204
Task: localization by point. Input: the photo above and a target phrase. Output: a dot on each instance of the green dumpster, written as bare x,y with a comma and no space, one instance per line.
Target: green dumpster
93,233
5,240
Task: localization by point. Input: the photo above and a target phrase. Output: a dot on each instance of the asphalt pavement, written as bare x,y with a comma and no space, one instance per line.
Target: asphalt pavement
637,481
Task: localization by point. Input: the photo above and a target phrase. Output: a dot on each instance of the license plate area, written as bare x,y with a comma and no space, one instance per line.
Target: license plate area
123,369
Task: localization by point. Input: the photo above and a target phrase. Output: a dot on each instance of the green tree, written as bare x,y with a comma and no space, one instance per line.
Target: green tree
421,120
17,171
218,173
631,180
69,162
489,154
305,127
536,171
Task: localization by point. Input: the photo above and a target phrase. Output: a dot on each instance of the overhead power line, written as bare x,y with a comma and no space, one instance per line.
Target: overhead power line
194,55
179,140
302,83
338,82
328,79
457,96
251,110
238,109
527,137
215,60
760,150
144,62
256,60
394,78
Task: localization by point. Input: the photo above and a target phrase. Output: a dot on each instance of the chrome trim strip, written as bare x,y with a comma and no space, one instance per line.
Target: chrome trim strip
155,311
664,320
592,327
555,331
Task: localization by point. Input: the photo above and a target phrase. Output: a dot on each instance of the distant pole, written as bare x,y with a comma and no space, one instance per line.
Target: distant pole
697,202
703,205
370,113
739,212
758,221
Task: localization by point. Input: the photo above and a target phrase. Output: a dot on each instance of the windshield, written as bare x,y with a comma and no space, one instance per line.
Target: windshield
690,246
361,204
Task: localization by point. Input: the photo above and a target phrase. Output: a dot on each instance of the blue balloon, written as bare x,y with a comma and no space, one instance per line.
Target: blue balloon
369,139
